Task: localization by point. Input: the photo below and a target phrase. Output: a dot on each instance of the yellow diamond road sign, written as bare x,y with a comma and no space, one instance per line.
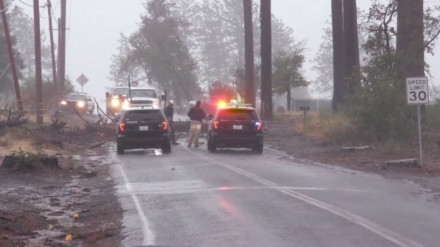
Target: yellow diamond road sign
82,80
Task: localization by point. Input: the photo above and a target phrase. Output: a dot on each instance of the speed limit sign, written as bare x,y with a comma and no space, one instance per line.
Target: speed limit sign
417,94
417,90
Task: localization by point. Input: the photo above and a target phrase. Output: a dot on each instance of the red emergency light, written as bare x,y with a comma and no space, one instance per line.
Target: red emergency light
221,104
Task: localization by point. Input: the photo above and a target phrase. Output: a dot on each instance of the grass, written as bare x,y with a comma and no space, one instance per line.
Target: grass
334,127
338,129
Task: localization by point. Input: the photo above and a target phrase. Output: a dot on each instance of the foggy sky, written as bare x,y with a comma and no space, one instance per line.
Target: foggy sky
95,25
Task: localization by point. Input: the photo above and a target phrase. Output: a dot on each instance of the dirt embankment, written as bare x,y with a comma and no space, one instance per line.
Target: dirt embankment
71,204
288,134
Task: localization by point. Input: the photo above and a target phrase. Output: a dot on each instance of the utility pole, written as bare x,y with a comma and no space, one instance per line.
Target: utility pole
52,49
266,59
249,52
338,55
60,94
38,69
11,57
62,50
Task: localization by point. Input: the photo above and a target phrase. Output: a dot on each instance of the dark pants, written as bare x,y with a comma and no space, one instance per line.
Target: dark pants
173,132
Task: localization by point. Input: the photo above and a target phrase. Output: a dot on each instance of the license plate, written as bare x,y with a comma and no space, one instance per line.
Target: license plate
143,128
237,127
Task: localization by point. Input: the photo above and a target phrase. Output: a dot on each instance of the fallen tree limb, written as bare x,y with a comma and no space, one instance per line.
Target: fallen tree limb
87,122
407,163
4,109
100,110
352,149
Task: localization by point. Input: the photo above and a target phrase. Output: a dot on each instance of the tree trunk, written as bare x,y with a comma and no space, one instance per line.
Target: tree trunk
266,60
38,66
338,55
410,37
351,41
289,99
249,52
12,63
410,41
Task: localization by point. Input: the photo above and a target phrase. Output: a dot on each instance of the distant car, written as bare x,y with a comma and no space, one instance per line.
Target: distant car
237,126
143,127
114,100
140,96
82,102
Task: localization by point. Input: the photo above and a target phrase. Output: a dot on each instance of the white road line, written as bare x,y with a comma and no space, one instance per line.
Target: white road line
148,235
356,219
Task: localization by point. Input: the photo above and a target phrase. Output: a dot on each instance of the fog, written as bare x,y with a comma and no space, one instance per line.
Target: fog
95,26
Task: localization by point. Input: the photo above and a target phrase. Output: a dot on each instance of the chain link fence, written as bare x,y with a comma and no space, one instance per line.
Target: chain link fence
315,105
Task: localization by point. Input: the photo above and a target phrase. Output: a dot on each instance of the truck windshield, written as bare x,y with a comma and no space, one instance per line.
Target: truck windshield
73,96
120,91
149,93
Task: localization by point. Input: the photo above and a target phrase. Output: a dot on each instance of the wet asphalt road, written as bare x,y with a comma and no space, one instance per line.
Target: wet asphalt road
237,198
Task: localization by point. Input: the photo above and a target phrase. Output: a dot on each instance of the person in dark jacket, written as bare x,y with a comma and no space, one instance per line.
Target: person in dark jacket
196,114
169,114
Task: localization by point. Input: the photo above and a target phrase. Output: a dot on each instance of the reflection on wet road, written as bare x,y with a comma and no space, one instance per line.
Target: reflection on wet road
237,198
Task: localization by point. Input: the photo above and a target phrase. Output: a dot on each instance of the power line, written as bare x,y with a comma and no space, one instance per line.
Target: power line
29,4
4,72
57,4
54,16
26,4
70,17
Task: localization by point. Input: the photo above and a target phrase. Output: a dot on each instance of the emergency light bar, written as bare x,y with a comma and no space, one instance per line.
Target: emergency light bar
233,103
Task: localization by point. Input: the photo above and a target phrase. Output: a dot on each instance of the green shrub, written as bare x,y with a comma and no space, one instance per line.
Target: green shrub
379,112
433,117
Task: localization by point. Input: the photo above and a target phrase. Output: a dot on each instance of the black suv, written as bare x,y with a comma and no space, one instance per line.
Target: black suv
236,127
143,127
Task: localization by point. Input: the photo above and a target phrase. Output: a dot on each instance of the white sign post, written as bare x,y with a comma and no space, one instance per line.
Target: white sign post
417,91
82,80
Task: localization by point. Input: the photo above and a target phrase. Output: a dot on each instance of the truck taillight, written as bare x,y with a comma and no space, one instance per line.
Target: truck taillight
216,124
165,125
122,127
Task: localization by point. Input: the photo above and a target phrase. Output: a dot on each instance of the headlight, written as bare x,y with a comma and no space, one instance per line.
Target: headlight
63,102
81,104
115,102
125,105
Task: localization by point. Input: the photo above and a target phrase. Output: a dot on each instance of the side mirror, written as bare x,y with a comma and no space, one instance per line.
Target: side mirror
107,94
